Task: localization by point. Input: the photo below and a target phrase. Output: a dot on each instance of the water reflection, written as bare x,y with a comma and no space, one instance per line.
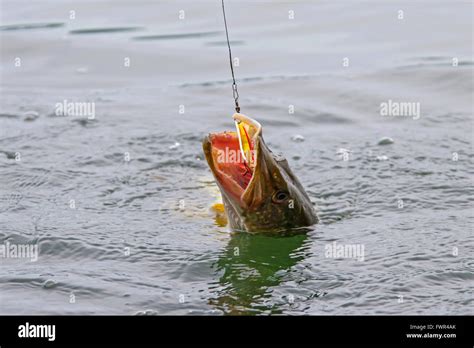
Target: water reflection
251,264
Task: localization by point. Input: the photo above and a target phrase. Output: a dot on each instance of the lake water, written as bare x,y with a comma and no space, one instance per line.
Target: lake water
118,199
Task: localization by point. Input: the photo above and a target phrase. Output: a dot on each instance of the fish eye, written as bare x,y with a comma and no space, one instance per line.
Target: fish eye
280,196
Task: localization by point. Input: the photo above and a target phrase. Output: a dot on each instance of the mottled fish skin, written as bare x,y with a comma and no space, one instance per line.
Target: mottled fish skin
274,200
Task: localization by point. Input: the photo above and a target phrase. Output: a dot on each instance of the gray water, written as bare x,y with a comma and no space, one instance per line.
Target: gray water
119,206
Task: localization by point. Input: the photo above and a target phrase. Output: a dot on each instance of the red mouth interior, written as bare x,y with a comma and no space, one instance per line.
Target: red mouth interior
231,169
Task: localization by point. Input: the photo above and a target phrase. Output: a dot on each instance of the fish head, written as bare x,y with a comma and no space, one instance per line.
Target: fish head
259,191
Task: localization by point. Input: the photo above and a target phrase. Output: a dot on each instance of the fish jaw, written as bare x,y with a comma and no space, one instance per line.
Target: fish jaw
233,166
225,161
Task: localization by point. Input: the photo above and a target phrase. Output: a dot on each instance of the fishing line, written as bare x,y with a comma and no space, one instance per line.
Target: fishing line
235,92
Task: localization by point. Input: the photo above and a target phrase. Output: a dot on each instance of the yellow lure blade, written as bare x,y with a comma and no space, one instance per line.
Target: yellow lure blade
244,141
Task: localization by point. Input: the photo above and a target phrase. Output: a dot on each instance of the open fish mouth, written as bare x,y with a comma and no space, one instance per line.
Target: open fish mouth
259,191
233,156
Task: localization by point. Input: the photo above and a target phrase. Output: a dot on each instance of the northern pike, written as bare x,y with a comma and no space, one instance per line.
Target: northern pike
259,191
